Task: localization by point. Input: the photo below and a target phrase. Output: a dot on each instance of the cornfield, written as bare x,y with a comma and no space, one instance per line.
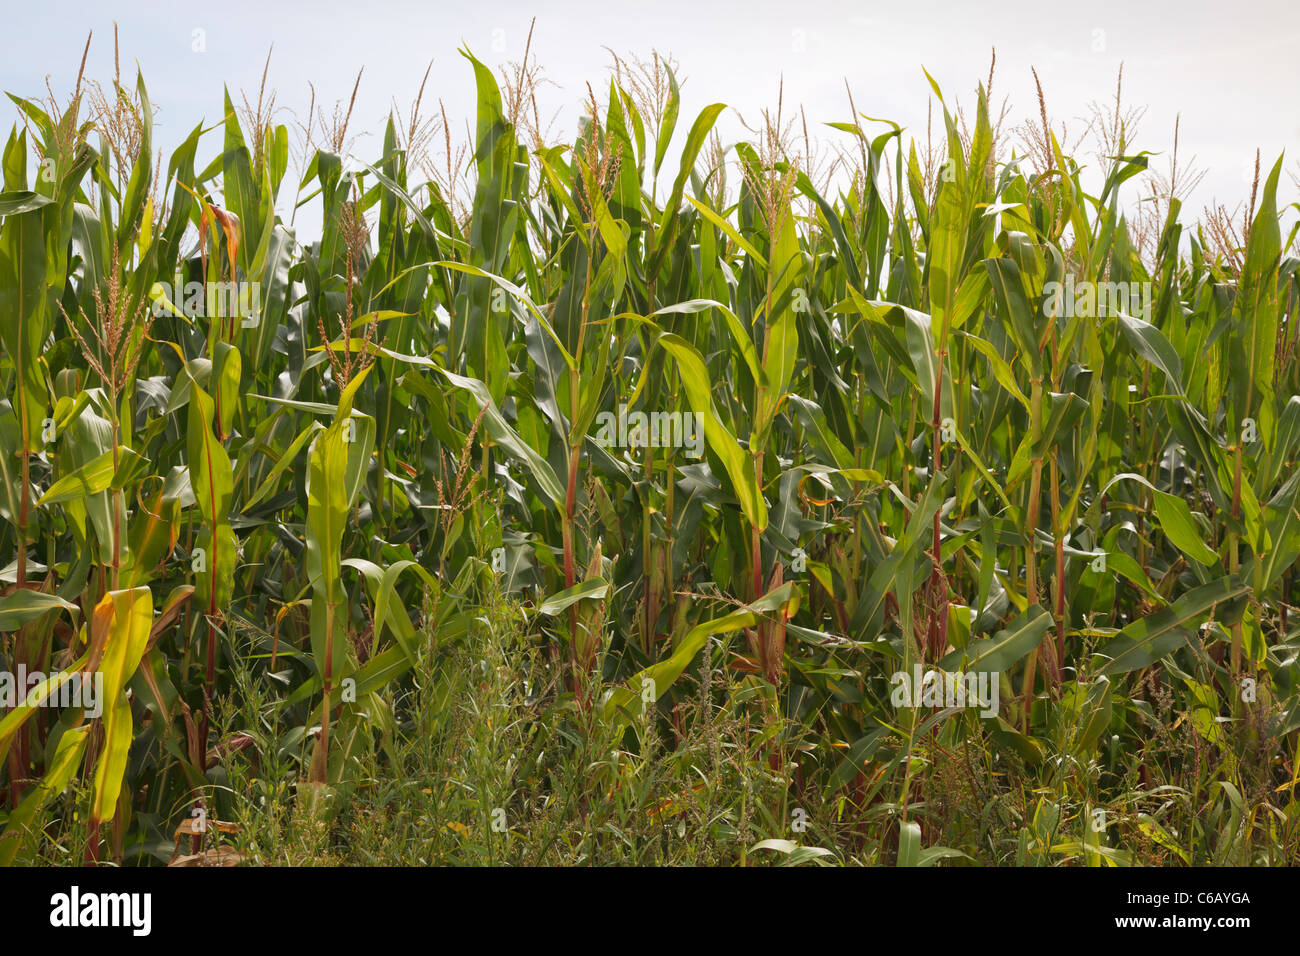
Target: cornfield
640,498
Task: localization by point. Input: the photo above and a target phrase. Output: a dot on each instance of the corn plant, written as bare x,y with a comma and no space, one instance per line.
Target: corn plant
937,433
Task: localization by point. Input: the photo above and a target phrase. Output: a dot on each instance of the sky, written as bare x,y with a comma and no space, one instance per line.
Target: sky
1230,72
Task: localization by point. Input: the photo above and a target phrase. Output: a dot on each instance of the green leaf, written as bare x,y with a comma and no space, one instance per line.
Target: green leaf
505,436
795,853
121,620
1148,639
95,476
24,315
389,609
909,843
1001,370
1282,521
1013,304
1006,647
1252,340
592,588
781,343
24,605
67,757
690,151
112,760
669,121
695,378
731,231
1175,518
659,677
36,697
20,201
211,477
1148,342
327,511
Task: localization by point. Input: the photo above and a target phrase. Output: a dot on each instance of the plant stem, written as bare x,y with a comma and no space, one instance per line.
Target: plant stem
1031,528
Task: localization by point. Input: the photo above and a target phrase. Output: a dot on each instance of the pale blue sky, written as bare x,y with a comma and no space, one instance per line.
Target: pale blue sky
1230,70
